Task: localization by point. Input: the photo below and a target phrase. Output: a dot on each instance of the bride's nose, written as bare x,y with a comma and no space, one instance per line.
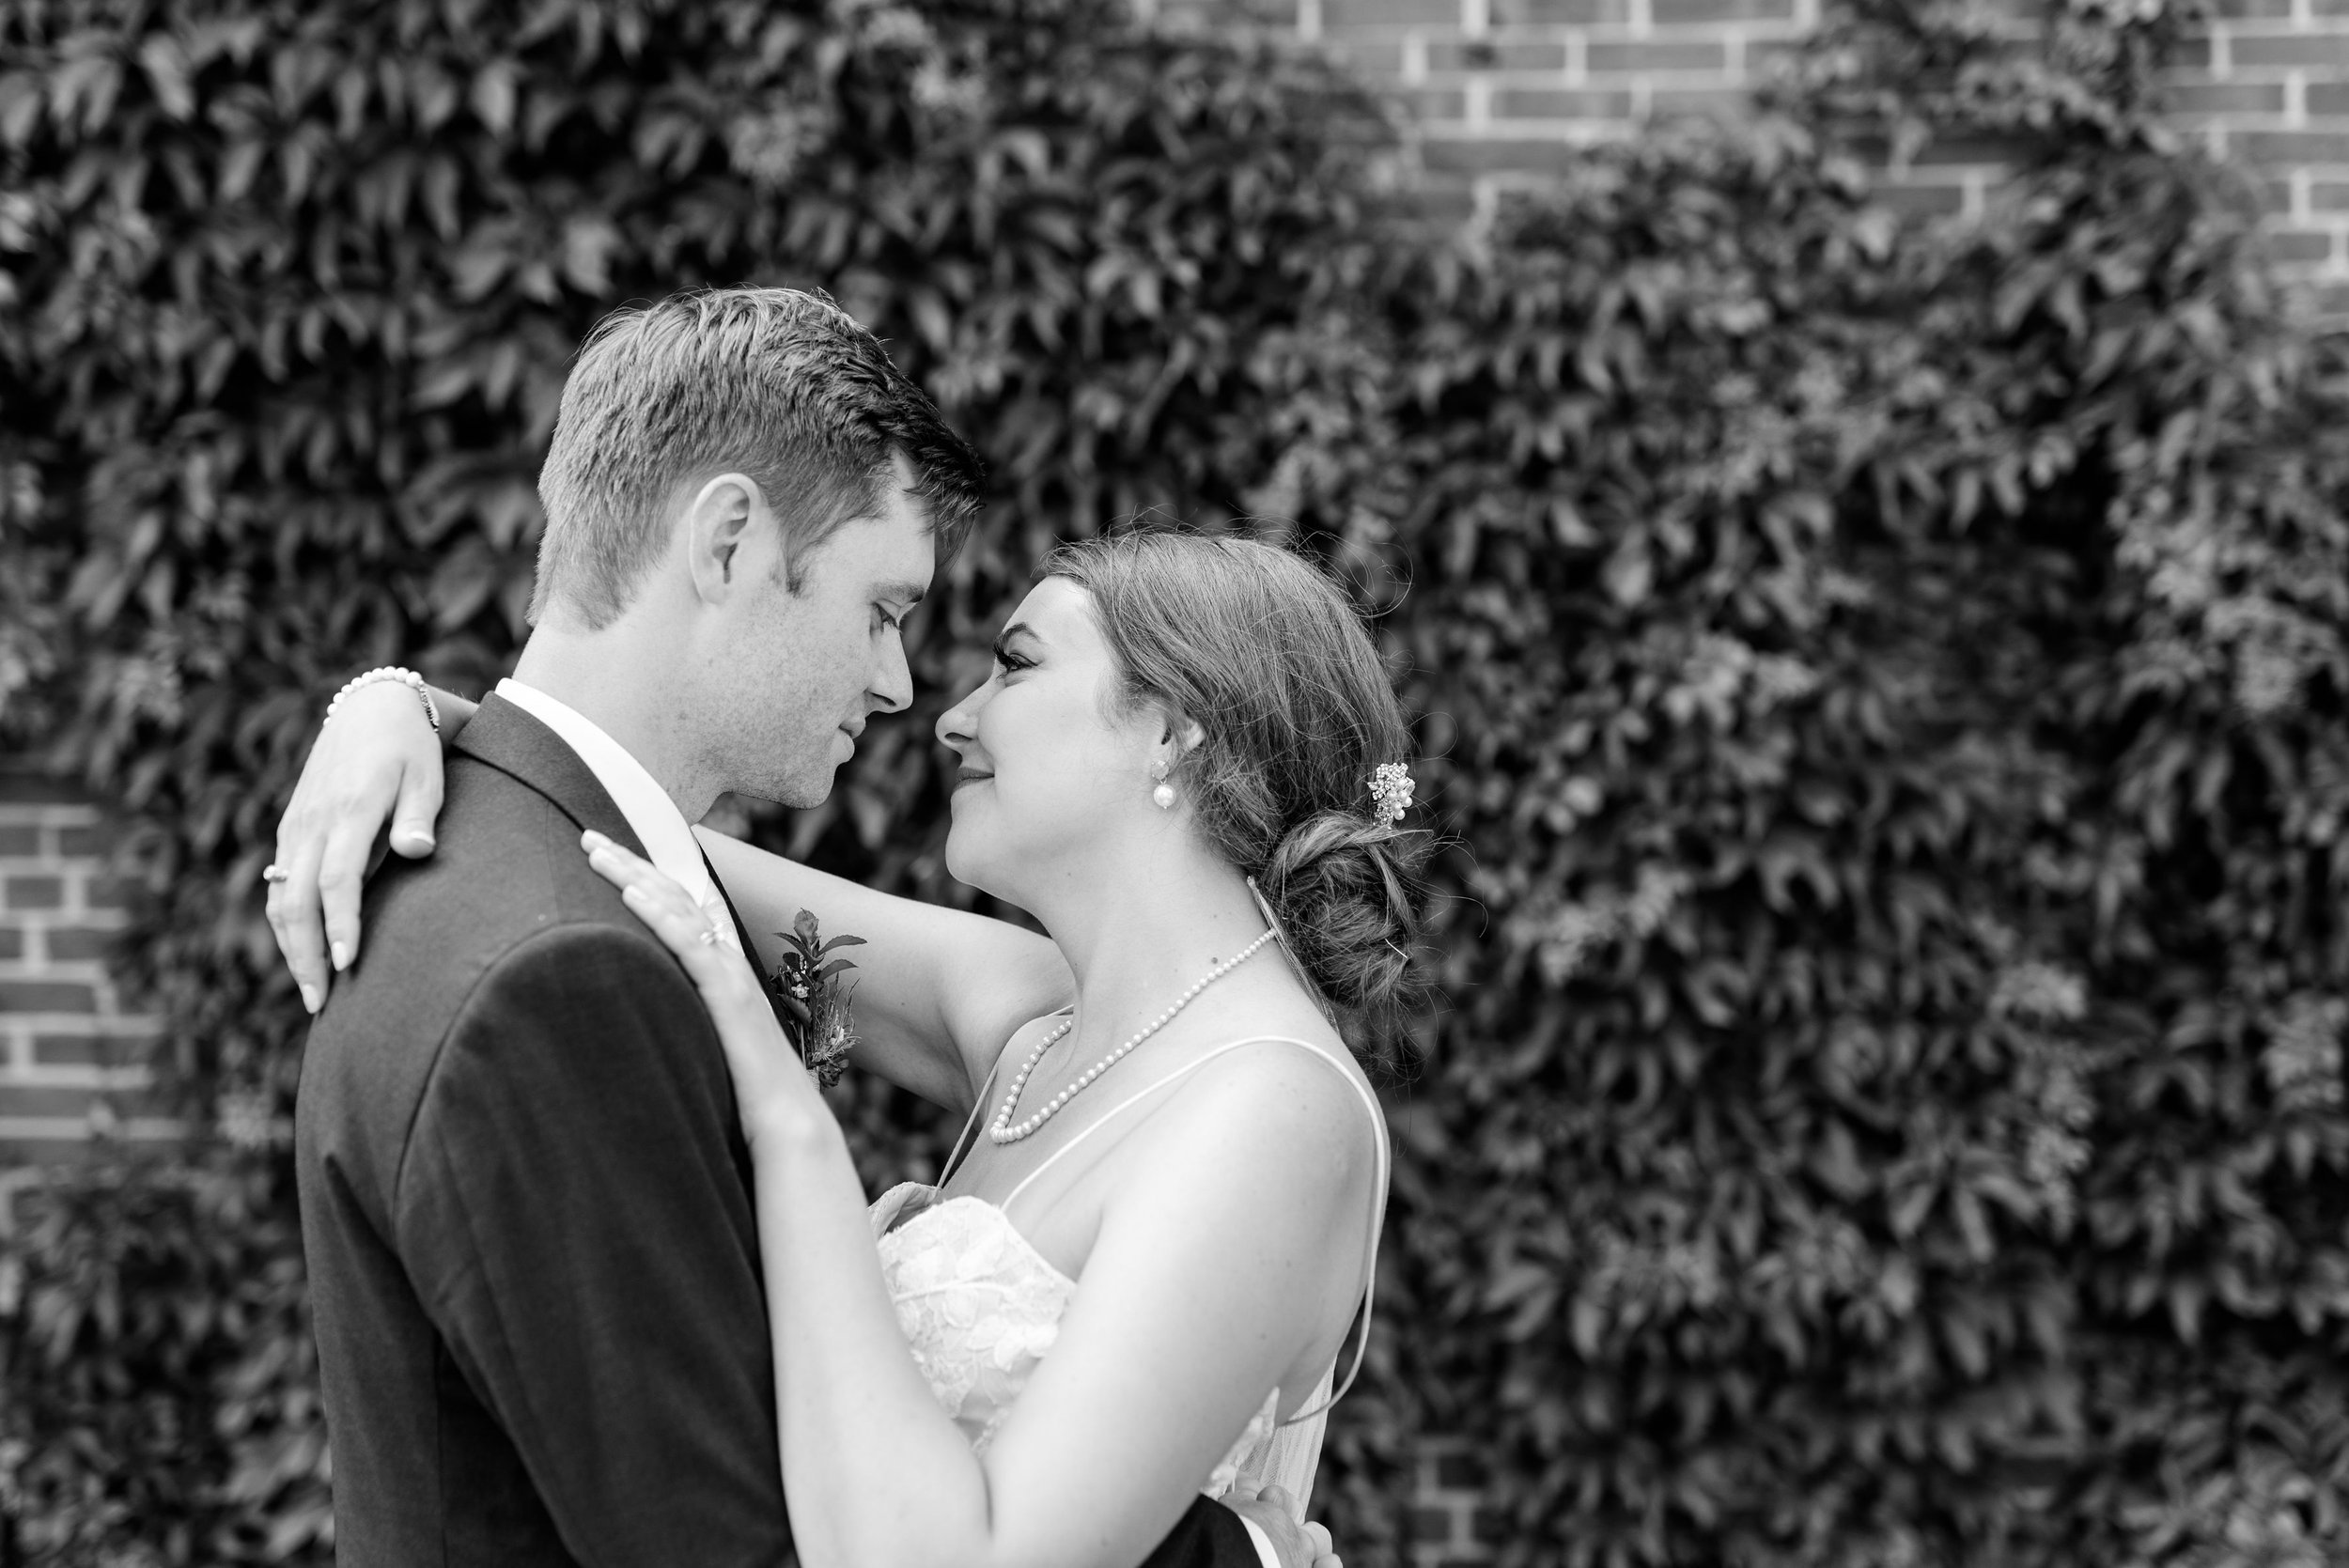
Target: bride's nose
955,725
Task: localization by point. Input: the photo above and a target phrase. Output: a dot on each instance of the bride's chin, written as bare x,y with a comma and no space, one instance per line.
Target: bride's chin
972,869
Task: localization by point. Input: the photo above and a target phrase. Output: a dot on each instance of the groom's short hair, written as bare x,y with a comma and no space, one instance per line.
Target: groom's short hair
779,384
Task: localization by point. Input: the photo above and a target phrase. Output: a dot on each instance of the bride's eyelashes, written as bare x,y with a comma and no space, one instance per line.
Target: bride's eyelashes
1006,661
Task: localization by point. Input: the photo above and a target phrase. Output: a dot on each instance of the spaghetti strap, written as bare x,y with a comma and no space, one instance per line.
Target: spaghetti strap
1383,1159
978,1109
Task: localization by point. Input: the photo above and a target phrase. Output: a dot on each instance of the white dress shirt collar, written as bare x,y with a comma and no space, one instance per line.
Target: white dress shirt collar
659,826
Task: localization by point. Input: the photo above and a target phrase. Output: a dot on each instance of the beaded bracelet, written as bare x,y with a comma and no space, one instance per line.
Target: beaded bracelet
409,678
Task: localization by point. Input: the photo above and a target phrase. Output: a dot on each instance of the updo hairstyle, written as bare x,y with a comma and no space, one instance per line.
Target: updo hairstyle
1265,653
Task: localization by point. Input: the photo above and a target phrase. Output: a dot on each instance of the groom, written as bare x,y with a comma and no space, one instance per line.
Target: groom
525,1196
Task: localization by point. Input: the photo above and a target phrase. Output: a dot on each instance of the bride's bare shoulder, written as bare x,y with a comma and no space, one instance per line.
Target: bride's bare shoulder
1282,1088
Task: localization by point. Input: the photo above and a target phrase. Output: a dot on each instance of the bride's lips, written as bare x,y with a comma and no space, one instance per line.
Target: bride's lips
969,775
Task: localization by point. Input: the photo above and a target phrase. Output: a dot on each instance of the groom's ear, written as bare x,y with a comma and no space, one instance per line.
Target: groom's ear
718,535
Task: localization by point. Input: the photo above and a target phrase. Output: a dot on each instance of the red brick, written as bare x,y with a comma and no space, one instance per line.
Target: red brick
1682,55
1559,13
18,1100
19,841
1471,155
11,943
1440,205
21,785
2328,98
2327,302
2328,195
35,1153
2251,10
2298,49
1710,103
2228,98
2191,53
109,892
46,996
1674,12
1560,103
1431,1526
1389,14
1378,57
2292,146
73,945
1485,55
1446,104
2275,194
2301,246
87,841
1958,153
90,1050
36,893
2328,7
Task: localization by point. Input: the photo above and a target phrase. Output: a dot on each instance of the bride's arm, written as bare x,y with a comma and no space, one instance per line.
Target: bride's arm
379,760
1198,1297
938,991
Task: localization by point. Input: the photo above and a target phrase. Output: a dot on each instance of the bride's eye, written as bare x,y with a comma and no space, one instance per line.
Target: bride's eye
1008,662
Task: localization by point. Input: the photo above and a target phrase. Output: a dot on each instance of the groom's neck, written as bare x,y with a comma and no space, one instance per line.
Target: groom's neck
629,689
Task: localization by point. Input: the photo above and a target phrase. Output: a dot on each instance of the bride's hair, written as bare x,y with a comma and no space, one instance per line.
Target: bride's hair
1265,653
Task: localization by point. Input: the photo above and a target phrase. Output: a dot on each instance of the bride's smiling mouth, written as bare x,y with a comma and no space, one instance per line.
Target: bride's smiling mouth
969,775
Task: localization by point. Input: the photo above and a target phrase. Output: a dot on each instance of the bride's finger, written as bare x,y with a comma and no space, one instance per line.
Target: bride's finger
654,895
624,869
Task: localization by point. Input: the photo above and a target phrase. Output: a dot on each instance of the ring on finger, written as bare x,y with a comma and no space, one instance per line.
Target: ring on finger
707,937
275,872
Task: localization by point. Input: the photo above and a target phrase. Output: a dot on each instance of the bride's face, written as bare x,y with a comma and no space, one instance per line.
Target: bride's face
1048,764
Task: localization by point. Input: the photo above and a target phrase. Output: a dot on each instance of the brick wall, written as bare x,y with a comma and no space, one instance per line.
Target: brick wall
1502,90
70,1048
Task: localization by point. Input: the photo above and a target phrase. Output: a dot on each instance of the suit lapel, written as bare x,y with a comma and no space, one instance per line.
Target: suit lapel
504,737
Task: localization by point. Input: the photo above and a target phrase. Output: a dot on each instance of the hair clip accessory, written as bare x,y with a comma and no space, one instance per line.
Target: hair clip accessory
1391,791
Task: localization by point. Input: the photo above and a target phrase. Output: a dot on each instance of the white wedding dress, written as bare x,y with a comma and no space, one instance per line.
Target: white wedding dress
981,1306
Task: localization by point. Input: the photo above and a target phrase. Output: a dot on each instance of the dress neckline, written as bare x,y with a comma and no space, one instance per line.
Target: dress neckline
1002,1215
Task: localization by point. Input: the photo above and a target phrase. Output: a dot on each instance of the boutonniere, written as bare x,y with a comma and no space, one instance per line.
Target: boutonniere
810,985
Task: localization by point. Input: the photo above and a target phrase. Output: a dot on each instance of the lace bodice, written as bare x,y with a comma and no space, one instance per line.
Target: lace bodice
980,1306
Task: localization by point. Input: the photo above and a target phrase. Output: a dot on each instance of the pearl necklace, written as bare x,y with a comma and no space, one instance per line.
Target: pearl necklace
1001,1131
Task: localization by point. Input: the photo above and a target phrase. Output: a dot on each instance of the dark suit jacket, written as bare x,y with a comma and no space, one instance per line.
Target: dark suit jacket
526,1209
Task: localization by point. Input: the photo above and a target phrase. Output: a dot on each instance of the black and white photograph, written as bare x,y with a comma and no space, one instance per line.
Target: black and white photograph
1173,784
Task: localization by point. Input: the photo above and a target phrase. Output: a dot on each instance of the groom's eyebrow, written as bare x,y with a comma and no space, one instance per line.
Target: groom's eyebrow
909,592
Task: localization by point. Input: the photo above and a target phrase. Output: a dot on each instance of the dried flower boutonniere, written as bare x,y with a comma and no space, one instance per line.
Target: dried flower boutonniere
812,989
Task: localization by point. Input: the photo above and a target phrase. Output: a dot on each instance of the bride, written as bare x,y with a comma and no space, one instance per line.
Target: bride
1145,1271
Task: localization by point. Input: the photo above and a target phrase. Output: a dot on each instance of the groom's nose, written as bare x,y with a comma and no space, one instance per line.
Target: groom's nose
892,691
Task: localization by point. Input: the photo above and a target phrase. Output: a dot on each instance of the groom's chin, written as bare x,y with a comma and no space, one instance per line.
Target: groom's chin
800,791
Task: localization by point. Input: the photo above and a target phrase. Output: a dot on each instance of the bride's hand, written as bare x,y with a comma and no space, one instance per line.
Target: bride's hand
769,1085
378,759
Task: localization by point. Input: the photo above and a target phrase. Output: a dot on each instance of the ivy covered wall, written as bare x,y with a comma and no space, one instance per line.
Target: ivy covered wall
1883,680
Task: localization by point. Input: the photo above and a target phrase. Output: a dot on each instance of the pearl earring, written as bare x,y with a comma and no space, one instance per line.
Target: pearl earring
1163,796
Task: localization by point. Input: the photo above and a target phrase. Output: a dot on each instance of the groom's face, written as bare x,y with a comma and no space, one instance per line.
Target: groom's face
816,664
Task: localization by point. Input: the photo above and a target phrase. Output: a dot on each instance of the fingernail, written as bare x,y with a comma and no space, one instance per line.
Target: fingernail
592,840
341,951
419,839
310,998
